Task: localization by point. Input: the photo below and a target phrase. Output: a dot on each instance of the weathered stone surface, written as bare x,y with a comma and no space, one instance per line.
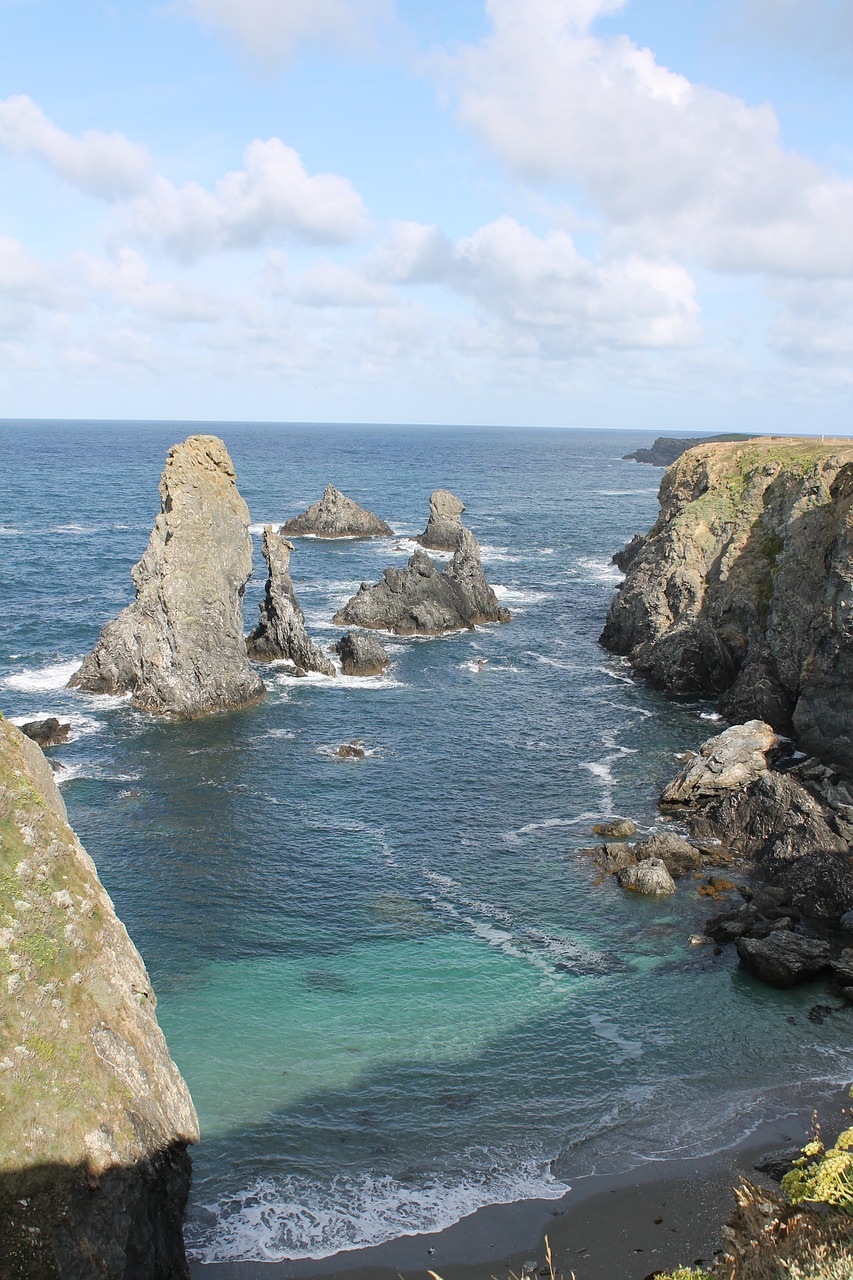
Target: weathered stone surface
280,633
678,855
47,733
784,959
362,655
614,857
617,829
842,968
743,588
179,648
726,762
650,877
336,516
445,521
418,600
94,1116
351,751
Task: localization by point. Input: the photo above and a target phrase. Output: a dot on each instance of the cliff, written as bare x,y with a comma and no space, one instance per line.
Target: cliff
744,588
94,1116
179,648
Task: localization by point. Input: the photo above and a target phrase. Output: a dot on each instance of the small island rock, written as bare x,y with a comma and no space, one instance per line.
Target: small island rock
418,600
445,521
179,648
650,877
336,516
280,633
47,733
362,655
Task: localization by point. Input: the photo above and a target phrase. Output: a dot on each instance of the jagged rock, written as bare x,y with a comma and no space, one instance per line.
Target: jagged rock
47,733
351,751
678,855
362,655
730,925
742,588
650,877
418,600
726,762
614,857
445,521
784,959
842,968
280,633
94,1116
617,829
179,648
336,516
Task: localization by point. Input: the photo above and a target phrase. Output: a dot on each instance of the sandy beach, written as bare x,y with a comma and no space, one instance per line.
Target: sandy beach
614,1227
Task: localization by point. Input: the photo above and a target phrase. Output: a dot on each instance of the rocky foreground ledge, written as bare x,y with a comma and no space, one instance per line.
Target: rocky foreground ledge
95,1118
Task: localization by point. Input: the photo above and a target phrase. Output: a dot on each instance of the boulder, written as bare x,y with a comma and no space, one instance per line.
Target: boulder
336,516
842,968
678,854
617,829
784,959
445,521
362,655
418,600
727,762
614,857
280,633
650,877
351,751
179,648
47,733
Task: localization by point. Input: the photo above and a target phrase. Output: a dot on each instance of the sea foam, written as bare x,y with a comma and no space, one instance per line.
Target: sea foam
46,679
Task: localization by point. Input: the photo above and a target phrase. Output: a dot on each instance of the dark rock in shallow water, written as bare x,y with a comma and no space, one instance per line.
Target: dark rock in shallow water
351,751
784,959
280,633
445,521
418,600
336,516
362,655
179,648
47,733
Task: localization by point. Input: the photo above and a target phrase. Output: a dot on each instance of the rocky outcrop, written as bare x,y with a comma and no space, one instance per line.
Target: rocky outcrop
336,516
784,959
280,633
649,877
726,762
678,855
445,521
47,733
616,829
94,1116
179,648
744,587
418,600
362,655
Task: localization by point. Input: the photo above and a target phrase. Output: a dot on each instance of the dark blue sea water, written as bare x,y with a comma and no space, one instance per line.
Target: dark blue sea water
395,985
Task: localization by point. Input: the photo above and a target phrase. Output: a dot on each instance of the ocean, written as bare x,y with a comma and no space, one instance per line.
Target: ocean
396,985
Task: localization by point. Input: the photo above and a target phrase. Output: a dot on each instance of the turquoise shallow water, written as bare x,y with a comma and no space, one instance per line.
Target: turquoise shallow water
394,985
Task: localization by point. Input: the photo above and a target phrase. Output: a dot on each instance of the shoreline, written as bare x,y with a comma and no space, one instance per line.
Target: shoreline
621,1226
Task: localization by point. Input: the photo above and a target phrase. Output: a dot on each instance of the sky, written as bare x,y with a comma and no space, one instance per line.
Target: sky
589,213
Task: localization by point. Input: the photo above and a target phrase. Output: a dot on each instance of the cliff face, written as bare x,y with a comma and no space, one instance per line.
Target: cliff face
94,1116
744,587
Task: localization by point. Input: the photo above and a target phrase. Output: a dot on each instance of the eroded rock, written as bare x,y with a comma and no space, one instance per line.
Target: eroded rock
727,762
649,877
784,959
280,633
47,733
362,655
336,516
616,829
678,855
445,521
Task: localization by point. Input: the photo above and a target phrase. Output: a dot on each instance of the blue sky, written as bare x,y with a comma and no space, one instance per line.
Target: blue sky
562,212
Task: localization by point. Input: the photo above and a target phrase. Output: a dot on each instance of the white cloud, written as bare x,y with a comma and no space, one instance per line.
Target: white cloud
324,284
99,164
270,29
814,324
272,197
126,279
673,167
816,28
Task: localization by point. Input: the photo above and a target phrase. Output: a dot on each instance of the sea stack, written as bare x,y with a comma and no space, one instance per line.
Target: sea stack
418,600
280,633
179,648
362,655
336,516
445,521
95,1118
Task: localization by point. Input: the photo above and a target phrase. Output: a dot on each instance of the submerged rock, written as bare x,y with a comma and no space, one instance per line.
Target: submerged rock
362,655
351,750
47,733
179,648
784,959
650,877
418,600
445,521
727,762
336,516
280,633
94,1115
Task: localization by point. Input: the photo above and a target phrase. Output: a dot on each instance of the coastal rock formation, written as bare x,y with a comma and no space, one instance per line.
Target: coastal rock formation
649,877
784,959
678,855
179,648
94,1116
418,600
667,449
47,733
280,633
726,762
336,516
362,655
617,829
743,587
445,521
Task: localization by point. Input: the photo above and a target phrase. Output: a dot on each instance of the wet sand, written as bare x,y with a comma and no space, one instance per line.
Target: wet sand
608,1227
